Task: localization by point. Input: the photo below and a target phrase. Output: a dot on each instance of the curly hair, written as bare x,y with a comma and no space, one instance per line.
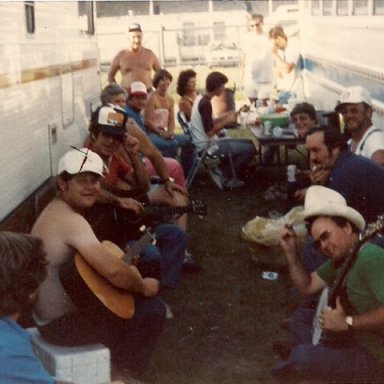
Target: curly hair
22,269
160,75
183,79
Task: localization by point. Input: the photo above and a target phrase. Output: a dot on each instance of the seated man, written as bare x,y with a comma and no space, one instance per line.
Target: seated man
358,311
204,128
125,186
65,232
355,105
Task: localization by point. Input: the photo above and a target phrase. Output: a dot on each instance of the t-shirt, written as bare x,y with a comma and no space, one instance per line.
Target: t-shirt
18,363
365,291
372,141
116,170
291,55
135,115
201,120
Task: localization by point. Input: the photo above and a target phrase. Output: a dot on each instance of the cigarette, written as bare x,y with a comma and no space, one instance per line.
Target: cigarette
290,228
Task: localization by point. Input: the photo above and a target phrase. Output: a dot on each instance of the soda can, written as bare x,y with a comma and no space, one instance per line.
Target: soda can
268,275
267,128
291,173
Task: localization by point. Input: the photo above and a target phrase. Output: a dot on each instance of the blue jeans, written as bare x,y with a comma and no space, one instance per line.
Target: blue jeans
339,358
169,148
242,152
171,242
131,341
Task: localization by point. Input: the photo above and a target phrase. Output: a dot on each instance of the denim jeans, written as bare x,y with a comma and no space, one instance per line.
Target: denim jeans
169,148
171,242
338,358
242,151
131,341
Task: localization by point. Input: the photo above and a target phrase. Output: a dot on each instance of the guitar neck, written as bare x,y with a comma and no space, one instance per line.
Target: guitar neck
137,247
159,211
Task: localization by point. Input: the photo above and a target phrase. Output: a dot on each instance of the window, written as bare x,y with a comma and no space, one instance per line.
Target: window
315,8
360,7
189,37
342,7
87,23
378,7
328,9
219,31
30,16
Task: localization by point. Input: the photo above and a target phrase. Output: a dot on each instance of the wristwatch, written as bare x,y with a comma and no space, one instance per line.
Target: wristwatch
171,179
349,321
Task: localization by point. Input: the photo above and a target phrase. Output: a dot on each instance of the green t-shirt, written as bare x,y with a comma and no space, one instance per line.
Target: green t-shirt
365,290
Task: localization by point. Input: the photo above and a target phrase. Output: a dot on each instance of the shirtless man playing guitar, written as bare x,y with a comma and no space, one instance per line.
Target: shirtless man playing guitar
65,232
355,272
136,62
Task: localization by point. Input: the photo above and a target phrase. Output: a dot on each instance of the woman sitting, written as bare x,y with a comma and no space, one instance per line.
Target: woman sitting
186,88
159,120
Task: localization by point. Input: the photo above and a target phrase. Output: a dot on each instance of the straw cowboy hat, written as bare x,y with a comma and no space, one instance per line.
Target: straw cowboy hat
322,201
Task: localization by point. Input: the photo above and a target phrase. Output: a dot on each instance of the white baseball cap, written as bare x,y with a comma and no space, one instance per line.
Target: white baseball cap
354,95
111,120
137,88
80,160
323,201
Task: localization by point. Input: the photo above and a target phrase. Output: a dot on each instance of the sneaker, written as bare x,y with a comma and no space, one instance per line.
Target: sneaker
168,312
189,265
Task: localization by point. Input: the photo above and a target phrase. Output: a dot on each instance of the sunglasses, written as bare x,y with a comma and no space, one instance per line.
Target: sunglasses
323,237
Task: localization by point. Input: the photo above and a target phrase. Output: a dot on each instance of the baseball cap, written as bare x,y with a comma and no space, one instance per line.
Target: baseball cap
354,95
80,160
134,27
137,88
112,120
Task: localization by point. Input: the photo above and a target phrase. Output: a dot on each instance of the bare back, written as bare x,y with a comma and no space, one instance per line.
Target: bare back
134,66
62,231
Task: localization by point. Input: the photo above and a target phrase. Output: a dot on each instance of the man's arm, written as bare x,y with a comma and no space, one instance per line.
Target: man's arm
306,283
156,64
81,237
115,66
378,157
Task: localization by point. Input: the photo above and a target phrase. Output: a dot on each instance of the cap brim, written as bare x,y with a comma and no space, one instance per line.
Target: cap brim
118,132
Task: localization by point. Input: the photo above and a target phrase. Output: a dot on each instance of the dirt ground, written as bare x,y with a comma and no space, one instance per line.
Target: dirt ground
225,317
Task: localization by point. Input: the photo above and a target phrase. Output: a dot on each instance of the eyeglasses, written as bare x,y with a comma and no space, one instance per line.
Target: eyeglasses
323,237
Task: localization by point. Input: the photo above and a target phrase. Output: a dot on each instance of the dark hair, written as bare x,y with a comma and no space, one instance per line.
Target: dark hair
94,127
183,79
160,75
111,90
338,220
257,16
277,31
333,138
214,81
307,108
22,269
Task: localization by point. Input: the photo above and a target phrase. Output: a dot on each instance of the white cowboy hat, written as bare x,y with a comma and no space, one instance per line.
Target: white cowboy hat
322,201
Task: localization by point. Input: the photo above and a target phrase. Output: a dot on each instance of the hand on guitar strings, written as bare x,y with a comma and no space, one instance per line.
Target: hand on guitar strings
130,204
333,319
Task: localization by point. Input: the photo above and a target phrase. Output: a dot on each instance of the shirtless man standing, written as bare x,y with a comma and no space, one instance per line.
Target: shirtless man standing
64,232
136,62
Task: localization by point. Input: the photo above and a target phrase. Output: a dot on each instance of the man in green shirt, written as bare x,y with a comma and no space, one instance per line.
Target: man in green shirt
335,228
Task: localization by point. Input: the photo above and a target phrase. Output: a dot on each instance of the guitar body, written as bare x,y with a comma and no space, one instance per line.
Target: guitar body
87,287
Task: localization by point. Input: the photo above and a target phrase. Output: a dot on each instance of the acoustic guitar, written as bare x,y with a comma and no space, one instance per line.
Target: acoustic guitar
329,296
87,287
